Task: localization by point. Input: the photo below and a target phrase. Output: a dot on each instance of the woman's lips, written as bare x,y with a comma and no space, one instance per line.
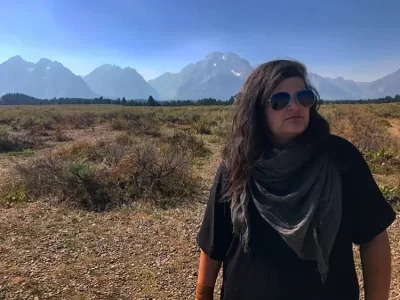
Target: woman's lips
295,118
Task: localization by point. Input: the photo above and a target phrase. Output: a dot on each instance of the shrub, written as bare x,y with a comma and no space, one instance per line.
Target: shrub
6,120
78,121
189,141
76,182
362,128
98,176
155,171
12,192
10,143
203,127
103,152
60,136
392,195
223,130
196,117
26,122
37,130
124,139
137,126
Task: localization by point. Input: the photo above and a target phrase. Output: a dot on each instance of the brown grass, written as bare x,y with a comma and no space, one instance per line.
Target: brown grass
51,248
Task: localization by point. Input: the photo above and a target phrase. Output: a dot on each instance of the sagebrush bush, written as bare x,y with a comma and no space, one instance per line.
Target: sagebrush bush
362,128
188,141
137,126
203,127
75,182
38,130
392,195
155,171
94,151
81,121
6,119
11,143
124,139
99,175
60,136
12,192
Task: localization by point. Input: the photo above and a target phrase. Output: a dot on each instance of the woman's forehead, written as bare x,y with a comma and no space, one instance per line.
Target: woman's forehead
291,85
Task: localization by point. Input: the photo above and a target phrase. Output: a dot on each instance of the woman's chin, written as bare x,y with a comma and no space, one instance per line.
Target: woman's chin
296,130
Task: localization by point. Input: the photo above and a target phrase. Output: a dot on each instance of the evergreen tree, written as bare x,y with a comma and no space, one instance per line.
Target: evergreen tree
151,101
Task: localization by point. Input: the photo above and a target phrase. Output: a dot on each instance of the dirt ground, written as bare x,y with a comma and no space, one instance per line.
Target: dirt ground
51,252
395,127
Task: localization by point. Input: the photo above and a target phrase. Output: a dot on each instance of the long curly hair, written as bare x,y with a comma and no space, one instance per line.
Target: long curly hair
250,136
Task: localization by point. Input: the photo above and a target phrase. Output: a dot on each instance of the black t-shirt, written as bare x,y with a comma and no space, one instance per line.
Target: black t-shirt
271,270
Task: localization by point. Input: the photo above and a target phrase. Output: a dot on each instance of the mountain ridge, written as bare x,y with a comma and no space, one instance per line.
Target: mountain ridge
218,75
43,79
114,82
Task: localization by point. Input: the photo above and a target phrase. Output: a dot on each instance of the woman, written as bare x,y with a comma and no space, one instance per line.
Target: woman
289,200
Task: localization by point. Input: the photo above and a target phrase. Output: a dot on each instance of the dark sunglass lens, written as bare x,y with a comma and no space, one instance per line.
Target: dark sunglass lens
306,98
279,100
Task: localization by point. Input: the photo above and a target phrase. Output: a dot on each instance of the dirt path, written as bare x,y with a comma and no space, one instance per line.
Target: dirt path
394,130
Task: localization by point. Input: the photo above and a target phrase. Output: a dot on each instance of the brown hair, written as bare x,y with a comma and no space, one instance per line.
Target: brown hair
250,135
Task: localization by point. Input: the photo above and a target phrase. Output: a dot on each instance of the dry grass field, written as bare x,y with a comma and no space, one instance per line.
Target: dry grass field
81,216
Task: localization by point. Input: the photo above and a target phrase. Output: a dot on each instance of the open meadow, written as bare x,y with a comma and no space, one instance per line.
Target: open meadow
104,202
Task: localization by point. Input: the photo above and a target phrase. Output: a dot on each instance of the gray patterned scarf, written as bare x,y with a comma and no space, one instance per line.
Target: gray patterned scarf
298,192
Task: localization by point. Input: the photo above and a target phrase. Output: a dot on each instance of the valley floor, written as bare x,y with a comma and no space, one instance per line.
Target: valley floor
52,252
141,252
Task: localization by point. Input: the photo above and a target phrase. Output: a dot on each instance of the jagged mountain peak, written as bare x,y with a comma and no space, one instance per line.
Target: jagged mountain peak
45,79
114,82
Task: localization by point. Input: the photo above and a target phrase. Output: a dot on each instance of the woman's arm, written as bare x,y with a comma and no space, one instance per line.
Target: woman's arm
208,272
376,265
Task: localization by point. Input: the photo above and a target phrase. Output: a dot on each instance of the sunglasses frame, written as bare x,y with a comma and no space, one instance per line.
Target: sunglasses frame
295,97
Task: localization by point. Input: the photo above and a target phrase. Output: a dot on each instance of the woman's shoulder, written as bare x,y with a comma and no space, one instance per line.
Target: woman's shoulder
346,155
340,143
343,148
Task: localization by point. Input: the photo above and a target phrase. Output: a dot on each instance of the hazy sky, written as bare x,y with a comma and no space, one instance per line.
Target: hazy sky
356,39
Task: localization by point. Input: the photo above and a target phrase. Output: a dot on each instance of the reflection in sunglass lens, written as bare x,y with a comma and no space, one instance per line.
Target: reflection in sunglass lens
306,98
279,100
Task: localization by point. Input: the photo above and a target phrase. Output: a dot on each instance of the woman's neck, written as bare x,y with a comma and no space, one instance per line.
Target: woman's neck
281,142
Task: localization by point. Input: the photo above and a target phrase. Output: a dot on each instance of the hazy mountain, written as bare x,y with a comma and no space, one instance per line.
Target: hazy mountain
45,79
388,85
359,90
114,82
385,86
168,84
328,90
219,75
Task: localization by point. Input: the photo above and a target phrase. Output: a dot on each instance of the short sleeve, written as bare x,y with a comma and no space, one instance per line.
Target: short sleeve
371,213
215,234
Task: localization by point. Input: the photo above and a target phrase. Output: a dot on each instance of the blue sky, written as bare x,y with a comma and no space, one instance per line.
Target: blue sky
356,39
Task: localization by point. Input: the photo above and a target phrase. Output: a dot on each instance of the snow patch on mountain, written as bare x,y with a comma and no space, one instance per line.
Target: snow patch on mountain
235,73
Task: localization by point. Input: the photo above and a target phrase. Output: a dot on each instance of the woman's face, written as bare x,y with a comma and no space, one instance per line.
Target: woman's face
291,121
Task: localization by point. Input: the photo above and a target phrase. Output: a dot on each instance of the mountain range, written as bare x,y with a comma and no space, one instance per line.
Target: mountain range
219,75
45,79
112,81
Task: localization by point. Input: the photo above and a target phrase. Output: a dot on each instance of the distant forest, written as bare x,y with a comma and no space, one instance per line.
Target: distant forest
22,99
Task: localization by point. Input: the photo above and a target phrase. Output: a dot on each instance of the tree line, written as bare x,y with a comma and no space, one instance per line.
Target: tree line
387,99
22,99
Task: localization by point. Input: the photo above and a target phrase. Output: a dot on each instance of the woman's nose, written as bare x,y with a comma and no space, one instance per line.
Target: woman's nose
292,103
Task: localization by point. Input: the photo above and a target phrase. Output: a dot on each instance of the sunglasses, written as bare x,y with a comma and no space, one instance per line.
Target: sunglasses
280,100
